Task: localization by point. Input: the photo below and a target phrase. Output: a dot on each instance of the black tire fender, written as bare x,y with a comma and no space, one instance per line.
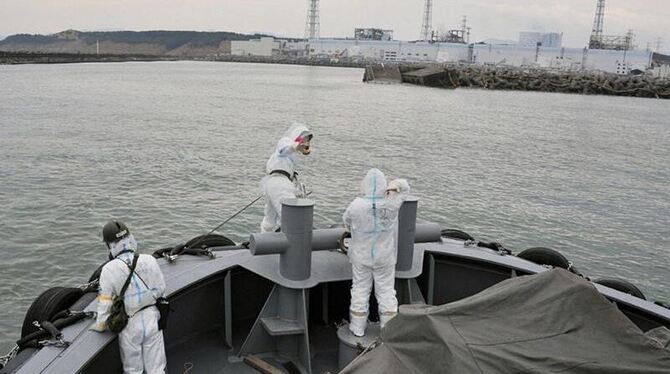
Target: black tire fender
198,244
545,256
456,234
621,285
208,241
47,305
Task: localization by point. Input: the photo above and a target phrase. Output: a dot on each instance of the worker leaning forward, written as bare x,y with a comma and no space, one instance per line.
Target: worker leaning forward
281,181
140,341
372,220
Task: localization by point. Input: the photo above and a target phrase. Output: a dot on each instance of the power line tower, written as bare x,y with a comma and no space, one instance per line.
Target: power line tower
597,32
465,29
630,39
312,27
427,25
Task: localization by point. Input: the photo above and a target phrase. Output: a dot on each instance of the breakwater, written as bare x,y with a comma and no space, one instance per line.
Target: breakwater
508,78
63,58
14,58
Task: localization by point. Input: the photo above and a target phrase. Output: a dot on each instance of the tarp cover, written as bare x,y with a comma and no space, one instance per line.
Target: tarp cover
552,322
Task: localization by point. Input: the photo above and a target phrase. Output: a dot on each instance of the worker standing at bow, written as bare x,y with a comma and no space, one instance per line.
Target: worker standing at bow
281,181
372,220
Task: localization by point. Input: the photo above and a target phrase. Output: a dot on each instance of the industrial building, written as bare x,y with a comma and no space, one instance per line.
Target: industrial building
265,46
268,47
373,34
549,40
620,62
533,50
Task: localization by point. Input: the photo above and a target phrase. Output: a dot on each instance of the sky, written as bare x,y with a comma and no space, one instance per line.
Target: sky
497,19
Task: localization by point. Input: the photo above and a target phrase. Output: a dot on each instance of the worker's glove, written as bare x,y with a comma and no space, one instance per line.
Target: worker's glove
398,186
303,148
302,191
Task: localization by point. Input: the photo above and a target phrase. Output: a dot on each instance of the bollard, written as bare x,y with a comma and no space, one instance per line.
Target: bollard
297,216
406,234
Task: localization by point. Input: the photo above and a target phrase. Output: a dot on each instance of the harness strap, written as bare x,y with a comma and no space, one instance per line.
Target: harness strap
284,173
130,275
142,308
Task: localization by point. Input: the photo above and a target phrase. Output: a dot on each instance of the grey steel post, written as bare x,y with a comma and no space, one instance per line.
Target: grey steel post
406,233
297,216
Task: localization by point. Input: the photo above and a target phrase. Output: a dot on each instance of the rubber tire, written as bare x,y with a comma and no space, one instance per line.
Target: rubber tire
456,234
211,240
47,305
545,256
621,285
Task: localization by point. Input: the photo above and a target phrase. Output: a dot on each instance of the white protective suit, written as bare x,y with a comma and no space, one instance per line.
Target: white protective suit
278,187
372,221
140,342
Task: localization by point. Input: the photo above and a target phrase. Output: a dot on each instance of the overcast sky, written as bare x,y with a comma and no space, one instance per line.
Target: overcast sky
499,19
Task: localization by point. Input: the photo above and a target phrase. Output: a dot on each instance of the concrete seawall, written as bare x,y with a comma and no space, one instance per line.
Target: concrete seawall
63,58
507,78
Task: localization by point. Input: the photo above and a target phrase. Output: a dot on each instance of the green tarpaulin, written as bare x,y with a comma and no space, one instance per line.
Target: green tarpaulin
553,322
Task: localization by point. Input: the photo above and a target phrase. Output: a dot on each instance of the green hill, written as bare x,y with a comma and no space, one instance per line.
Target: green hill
188,43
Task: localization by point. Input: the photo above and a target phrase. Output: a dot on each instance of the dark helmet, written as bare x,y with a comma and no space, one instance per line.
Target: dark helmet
114,231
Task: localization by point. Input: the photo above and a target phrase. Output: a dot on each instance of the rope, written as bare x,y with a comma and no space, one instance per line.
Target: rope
227,220
9,356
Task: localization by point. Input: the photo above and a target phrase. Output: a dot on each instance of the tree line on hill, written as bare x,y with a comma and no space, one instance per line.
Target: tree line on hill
168,40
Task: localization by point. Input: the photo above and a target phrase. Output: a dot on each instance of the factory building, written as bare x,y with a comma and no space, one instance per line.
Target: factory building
265,46
268,47
548,40
620,62
373,34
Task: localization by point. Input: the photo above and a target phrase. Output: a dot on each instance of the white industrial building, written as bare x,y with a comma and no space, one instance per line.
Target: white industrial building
265,46
620,62
373,34
268,46
548,40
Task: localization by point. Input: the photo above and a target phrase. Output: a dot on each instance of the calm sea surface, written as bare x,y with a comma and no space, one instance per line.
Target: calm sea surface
175,148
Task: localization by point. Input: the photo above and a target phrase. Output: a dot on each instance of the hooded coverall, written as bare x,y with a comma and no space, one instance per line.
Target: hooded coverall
277,187
372,221
140,342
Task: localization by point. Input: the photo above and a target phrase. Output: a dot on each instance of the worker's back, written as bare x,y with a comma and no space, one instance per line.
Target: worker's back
146,284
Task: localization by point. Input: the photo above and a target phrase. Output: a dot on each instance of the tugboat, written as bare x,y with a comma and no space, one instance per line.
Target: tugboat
279,303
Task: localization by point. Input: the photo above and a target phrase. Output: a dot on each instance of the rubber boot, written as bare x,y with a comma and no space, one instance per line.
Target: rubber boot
385,317
358,322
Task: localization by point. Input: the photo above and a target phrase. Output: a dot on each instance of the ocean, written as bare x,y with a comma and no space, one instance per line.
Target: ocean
174,148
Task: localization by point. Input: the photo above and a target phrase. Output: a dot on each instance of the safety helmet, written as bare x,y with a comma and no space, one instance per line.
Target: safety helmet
114,231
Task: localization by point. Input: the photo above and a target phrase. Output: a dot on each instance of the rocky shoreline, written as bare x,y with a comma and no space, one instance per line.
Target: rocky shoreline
507,78
430,75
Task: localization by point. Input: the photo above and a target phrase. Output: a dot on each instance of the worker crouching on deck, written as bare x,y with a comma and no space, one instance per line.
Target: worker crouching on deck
138,278
372,220
281,181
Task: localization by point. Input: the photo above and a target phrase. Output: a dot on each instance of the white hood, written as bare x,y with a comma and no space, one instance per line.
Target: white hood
126,244
374,184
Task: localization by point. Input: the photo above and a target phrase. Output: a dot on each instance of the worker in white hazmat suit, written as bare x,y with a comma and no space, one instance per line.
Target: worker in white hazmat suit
281,181
372,220
140,342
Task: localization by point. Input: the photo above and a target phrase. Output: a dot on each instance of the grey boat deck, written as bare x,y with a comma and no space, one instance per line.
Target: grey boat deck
204,334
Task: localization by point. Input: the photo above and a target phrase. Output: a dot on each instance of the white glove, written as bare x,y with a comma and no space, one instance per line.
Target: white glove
302,191
398,185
